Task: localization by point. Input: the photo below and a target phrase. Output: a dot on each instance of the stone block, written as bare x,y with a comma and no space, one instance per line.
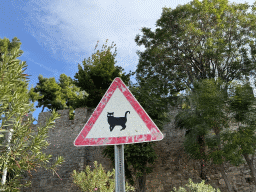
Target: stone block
222,182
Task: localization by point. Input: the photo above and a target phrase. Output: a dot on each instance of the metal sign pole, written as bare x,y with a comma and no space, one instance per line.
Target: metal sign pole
119,168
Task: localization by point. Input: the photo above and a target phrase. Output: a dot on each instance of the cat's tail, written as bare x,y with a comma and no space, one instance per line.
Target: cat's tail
126,113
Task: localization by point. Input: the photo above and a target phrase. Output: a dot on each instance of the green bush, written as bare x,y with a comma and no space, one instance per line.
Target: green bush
193,187
97,180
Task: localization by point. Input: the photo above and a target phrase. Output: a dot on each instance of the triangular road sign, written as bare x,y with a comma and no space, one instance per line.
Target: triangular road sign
118,119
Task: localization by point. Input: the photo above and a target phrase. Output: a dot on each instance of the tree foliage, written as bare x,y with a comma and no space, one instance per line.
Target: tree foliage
98,73
26,144
7,47
58,96
201,187
97,180
210,137
88,87
242,108
198,40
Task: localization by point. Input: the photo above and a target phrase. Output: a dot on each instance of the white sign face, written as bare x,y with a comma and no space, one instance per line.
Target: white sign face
118,119
120,107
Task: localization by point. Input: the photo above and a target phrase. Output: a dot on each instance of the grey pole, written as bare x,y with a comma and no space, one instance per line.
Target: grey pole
119,168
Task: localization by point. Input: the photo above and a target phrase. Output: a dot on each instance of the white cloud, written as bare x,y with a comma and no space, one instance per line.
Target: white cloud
69,30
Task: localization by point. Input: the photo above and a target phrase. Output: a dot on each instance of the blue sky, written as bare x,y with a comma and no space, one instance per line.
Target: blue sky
57,35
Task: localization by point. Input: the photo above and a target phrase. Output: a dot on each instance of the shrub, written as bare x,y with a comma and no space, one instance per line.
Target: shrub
97,180
201,187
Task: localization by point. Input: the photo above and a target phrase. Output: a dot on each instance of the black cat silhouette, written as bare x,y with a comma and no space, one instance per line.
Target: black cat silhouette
113,121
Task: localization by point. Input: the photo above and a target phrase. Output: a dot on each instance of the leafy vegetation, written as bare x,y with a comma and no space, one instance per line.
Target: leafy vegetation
97,180
193,187
26,145
209,136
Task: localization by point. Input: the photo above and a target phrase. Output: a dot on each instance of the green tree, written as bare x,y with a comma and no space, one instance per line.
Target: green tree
26,144
191,118
58,96
6,47
210,137
198,40
72,93
51,92
98,74
242,106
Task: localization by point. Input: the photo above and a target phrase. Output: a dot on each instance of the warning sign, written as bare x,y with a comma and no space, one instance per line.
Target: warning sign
118,119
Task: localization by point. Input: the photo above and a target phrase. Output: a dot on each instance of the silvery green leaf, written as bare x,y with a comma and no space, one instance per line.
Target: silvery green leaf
4,130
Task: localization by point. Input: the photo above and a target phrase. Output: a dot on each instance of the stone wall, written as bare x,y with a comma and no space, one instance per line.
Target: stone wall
172,168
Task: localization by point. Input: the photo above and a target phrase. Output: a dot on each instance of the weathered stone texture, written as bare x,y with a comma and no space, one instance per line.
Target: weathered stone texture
173,168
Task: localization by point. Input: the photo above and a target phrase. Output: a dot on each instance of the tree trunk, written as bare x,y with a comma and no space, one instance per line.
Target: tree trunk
42,109
225,178
201,141
251,166
203,173
142,182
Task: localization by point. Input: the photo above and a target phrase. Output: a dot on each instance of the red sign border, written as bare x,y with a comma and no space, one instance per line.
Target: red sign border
155,133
